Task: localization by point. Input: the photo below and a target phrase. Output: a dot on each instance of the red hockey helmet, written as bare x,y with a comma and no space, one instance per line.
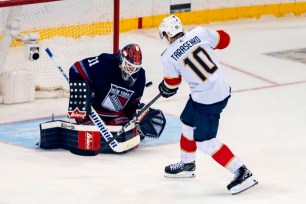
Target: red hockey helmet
130,62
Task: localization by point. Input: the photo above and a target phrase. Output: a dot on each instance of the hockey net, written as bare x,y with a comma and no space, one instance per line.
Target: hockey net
72,29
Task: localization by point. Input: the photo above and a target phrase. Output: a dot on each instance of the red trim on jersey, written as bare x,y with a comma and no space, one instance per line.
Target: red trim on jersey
187,145
173,81
110,114
224,39
120,120
79,68
223,156
135,101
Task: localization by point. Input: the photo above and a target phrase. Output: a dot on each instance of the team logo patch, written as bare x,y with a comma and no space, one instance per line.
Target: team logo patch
117,98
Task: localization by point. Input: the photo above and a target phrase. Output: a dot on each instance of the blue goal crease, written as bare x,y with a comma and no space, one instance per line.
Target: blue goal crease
27,133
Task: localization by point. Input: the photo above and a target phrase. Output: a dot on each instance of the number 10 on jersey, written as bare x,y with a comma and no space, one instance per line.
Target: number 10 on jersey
204,60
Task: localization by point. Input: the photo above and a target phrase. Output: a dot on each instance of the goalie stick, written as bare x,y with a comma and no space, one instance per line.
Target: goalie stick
107,135
135,118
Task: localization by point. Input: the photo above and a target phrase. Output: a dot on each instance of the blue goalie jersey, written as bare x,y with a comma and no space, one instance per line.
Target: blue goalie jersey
113,97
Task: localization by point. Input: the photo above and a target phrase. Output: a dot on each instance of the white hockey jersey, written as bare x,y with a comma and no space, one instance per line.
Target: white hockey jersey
192,57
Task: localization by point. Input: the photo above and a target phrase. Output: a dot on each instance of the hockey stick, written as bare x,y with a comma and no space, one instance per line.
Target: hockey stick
147,106
107,135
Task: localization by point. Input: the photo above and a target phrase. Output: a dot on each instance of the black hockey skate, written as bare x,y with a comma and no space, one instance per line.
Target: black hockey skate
180,170
243,180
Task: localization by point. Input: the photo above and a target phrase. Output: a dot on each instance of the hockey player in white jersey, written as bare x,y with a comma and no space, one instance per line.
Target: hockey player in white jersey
191,56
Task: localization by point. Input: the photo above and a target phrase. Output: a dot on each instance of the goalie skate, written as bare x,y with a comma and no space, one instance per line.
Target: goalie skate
180,170
243,180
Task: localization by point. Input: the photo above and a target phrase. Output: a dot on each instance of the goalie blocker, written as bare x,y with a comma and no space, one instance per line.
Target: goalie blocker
79,99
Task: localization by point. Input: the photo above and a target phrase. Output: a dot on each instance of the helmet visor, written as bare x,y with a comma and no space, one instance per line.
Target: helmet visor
128,67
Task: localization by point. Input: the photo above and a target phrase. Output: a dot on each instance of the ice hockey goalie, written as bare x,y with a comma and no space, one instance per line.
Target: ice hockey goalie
86,139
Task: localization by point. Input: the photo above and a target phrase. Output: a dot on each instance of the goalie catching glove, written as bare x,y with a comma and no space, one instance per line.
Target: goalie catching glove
151,123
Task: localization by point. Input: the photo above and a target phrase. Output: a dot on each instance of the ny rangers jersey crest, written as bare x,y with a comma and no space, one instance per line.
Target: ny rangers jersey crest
117,98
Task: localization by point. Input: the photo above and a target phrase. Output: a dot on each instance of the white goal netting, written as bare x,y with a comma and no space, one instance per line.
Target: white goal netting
71,29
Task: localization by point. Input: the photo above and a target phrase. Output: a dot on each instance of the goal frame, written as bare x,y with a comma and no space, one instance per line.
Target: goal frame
116,23
8,38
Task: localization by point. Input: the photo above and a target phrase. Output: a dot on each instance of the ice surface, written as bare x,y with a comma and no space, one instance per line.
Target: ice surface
264,124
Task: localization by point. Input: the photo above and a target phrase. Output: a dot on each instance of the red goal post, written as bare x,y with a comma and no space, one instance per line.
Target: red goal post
72,29
6,3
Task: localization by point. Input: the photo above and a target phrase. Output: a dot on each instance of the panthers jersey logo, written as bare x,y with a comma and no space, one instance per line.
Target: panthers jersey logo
117,98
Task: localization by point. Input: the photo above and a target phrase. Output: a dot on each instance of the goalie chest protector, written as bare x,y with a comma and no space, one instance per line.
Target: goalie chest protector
83,140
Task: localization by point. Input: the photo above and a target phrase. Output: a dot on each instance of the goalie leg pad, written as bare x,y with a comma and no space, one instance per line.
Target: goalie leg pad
152,124
50,138
84,140
79,139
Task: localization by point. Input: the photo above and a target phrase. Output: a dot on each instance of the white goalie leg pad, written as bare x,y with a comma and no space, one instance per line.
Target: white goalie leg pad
187,132
209,146
248,183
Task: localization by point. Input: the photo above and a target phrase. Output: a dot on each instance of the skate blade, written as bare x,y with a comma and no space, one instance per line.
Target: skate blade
185,174
249,183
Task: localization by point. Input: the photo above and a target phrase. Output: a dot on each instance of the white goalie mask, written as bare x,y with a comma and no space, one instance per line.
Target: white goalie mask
130,63
170,25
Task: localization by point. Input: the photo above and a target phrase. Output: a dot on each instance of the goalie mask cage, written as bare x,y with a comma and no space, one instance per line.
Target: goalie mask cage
72,29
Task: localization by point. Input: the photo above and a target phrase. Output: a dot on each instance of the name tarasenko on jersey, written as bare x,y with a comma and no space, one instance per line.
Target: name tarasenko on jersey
186,46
